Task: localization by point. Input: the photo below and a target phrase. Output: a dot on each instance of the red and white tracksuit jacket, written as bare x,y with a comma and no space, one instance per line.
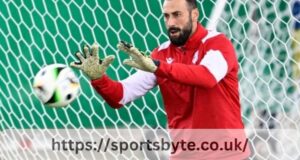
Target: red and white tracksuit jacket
198,83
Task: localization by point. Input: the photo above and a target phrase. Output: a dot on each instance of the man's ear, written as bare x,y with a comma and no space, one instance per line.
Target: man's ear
195,15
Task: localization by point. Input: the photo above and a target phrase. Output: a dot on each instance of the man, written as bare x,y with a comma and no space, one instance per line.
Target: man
196,72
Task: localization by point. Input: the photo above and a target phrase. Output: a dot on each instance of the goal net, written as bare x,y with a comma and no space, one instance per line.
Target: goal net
38,33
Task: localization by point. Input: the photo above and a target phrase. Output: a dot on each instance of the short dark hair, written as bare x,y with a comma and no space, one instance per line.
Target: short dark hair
192,4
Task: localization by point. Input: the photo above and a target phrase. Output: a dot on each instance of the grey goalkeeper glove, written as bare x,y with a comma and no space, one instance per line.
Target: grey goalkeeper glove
91,65
139,59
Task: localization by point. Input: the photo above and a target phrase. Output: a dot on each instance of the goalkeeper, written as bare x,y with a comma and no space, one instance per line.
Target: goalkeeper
196,71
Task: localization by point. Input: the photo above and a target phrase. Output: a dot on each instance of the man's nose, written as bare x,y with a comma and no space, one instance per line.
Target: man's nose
171,22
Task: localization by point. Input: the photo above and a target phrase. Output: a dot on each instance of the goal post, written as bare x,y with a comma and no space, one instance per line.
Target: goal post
216,14
38,33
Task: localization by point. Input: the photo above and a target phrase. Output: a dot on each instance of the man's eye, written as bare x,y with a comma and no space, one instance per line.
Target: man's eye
166,15
176,14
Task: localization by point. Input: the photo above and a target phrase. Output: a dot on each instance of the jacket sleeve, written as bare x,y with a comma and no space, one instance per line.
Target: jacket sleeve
110,90
117,94
217,62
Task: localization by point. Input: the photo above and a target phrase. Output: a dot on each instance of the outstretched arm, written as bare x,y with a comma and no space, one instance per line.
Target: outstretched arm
115,93
218,61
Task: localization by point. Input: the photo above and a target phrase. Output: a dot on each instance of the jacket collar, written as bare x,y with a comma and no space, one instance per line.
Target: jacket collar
194,41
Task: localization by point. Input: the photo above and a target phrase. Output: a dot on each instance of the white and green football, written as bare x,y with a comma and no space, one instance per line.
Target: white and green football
56,85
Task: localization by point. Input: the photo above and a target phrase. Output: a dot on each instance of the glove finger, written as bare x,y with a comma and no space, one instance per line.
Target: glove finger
86,51
136,52
129,49
108,60
131,63
124,46
94,49
80,57
76,65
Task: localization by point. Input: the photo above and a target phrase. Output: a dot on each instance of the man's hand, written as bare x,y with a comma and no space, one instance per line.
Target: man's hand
91,65
139,59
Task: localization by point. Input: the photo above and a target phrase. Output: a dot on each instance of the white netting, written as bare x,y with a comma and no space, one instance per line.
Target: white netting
262,32
37,33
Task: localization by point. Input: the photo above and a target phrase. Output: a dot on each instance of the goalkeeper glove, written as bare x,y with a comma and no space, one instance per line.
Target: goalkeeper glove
91,65
139,59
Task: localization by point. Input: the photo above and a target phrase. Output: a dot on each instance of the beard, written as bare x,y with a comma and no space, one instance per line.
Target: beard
183,35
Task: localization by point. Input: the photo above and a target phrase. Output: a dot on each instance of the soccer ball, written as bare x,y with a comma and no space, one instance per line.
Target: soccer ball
56,85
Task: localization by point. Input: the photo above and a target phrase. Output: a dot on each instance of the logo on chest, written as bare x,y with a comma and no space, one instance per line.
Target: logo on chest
169,60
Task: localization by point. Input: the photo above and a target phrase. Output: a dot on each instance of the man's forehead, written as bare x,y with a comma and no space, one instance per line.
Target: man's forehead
170,6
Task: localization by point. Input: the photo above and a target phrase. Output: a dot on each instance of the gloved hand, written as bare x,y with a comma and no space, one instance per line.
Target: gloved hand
139,59
91,65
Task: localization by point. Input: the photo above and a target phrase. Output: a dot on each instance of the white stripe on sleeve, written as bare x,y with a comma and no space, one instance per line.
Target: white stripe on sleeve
137,85
210,34
215,62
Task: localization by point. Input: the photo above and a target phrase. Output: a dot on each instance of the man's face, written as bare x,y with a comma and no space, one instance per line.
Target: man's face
178,20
